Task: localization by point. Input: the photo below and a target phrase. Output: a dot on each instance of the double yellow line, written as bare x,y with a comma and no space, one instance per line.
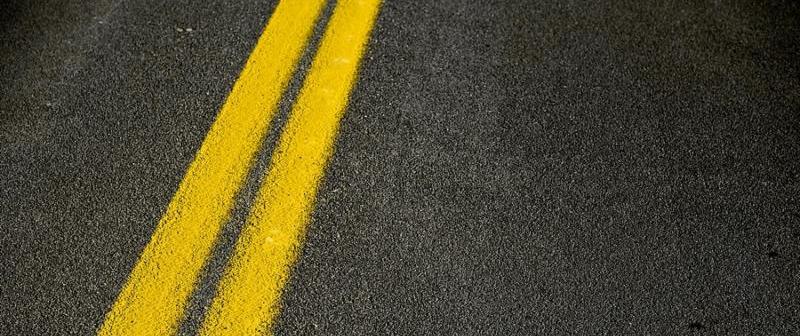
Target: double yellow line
154,298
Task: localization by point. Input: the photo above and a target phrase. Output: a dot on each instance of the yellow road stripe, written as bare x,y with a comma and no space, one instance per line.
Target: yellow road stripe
248,296
153,300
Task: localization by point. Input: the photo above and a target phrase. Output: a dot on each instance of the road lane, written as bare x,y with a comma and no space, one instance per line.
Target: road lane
249,294
154,298
562,168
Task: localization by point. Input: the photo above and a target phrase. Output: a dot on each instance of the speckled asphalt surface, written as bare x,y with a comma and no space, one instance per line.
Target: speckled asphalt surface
541,167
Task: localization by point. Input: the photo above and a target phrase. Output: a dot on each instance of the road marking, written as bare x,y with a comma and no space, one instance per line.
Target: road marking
248,296
153,300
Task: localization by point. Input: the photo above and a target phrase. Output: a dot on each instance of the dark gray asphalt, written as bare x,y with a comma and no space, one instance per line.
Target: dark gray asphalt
535,167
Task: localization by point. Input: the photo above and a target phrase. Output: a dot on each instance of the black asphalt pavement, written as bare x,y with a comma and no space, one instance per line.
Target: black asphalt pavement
504,167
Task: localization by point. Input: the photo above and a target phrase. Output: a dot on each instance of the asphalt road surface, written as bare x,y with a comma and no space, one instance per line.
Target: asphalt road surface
502,167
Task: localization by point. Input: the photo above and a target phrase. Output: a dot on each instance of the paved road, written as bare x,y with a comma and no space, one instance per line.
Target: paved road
541,167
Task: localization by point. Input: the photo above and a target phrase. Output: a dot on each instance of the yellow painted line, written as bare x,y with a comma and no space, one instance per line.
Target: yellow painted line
248,297
153,300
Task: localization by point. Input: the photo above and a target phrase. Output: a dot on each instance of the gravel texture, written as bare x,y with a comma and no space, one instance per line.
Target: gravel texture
504,168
